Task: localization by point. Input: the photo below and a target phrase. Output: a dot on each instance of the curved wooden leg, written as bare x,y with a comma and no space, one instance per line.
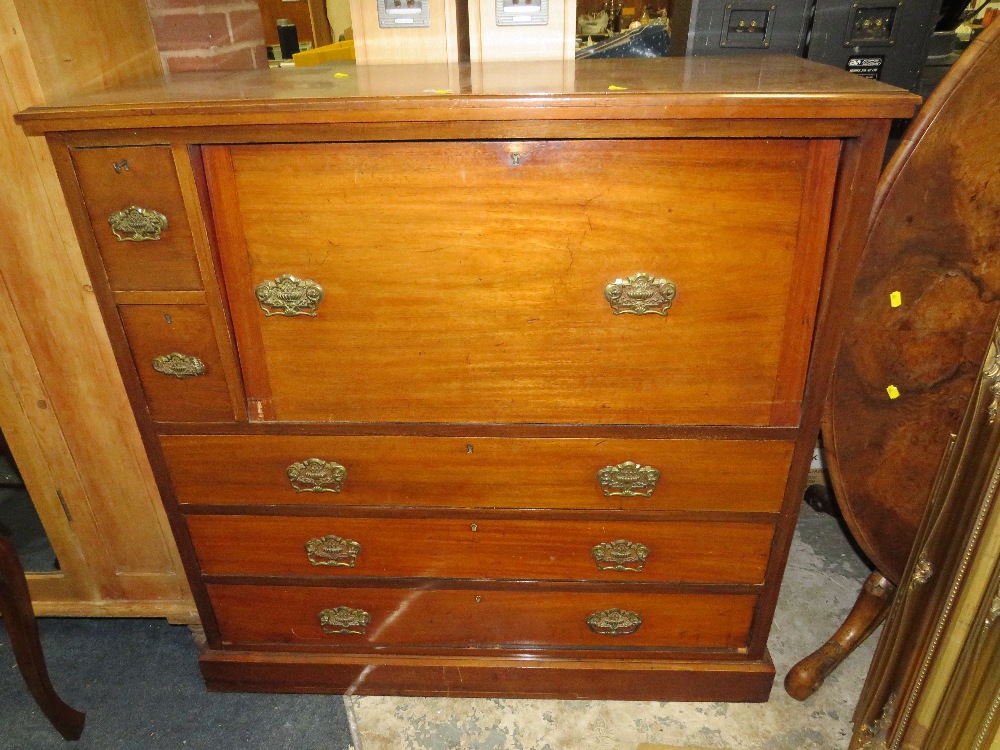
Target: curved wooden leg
867,614
18,616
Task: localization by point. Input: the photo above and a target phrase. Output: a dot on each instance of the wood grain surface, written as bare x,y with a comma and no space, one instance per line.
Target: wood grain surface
478,295
79,45
465,365
158,330
491,42
479,617
150,182
550,675
933,238
88,476
434,44
518,549
766,87
695,475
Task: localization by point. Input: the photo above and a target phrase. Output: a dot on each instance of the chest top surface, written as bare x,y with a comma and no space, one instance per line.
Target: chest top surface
670,88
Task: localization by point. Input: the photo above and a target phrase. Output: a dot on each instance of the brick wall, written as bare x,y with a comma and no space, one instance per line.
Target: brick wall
195,35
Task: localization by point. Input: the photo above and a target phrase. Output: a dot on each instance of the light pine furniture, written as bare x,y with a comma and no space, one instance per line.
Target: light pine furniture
492,393
436,44
63,409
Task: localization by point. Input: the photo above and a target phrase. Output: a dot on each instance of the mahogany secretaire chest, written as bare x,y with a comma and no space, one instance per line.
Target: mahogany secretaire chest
499,380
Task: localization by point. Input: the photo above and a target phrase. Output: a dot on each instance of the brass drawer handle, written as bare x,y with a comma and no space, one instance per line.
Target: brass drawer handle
614,622
628,479
289,296
137,224
344,620
316,475
641,294
178,365
332,551
620,554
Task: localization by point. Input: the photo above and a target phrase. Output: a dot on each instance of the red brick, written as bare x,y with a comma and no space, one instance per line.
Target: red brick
184,31
238,59
246,25
170,4
259,56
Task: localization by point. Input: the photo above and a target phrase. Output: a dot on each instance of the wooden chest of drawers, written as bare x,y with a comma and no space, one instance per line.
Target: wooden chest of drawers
457,388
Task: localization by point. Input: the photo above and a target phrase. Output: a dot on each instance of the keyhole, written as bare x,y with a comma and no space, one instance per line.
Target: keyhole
170,321
121,166
478,599
515,159
468,449
474,526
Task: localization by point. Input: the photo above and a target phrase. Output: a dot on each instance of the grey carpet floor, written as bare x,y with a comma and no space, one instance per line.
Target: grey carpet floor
139,683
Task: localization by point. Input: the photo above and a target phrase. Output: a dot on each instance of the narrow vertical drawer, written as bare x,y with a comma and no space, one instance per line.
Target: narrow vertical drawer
178,361
137,188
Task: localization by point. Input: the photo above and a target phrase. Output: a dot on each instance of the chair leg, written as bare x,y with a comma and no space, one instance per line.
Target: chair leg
18,616
867,614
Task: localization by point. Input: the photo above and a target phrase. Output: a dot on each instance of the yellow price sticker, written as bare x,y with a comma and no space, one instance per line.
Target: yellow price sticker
895,299
443,91
341,75
612,87
893,391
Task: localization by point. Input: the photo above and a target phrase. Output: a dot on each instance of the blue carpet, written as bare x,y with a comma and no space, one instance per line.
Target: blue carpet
139,684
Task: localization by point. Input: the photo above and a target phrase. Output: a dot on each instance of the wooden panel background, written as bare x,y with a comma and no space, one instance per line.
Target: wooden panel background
374,45
62,403
489,42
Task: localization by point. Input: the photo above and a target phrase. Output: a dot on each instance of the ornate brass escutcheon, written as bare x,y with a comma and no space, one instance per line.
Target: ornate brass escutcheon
137,224
620,554
628,479
316,475
922,571
344,620
289,296
614,622
993,613
874,735
641,294
991,374
332,551
178,365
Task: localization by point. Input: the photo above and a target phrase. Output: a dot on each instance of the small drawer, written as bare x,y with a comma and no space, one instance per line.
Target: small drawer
348,617
115,182
717,475
513,549
178,361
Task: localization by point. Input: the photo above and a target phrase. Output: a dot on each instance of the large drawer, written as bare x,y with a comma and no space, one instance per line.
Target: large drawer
486,282
116,182
486,617
716,475
524,550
